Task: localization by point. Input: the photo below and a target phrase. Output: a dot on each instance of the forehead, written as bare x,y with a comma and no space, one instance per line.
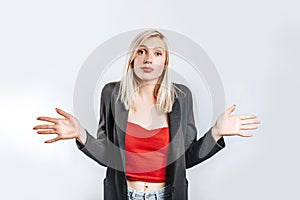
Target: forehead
153,42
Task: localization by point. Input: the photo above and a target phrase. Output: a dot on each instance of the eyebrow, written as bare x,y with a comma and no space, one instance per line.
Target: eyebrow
151,48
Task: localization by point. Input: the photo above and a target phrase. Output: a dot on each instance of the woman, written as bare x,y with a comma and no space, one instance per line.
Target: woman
146,135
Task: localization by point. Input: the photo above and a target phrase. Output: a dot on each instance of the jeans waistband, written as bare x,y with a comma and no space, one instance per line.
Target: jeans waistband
159,192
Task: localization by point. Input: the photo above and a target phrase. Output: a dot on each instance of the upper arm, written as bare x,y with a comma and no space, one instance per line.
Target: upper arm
98,148
197,150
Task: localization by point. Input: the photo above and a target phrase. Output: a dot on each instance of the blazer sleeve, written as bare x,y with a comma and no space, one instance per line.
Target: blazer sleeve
204,148
97,148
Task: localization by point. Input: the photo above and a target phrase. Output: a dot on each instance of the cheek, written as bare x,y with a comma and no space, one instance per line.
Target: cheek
161,61
160,67
137,61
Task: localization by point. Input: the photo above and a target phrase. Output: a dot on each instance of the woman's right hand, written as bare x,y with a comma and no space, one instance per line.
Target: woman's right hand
65,128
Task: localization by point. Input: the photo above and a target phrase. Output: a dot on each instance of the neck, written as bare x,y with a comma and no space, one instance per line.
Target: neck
146,90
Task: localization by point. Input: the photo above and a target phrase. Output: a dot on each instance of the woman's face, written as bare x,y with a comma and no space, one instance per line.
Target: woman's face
149,60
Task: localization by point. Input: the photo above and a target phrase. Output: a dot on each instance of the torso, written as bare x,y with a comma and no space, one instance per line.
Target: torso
148,117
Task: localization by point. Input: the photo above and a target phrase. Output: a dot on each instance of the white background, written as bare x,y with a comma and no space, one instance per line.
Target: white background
254,44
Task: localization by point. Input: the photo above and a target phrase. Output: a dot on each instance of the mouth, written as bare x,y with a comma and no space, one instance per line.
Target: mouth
147,69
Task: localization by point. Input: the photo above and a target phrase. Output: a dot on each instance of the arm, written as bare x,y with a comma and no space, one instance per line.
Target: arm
70,128
204,148
212,141
97,148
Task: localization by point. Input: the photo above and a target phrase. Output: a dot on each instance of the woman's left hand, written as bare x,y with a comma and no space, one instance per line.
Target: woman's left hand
232,125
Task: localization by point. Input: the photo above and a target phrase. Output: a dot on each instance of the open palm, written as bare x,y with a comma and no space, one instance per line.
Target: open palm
67,127
232,125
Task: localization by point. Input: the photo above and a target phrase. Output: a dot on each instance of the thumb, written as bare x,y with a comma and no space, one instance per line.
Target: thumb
63,113
231,109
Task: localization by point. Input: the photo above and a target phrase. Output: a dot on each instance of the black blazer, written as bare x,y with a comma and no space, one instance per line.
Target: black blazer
185,150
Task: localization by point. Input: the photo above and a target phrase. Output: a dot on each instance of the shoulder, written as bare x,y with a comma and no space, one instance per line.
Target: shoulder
108,88
181,90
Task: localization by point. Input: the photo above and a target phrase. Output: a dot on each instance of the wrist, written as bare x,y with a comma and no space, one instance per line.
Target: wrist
215,133
81,136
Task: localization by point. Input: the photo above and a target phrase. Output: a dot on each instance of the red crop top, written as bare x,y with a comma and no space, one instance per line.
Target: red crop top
146,153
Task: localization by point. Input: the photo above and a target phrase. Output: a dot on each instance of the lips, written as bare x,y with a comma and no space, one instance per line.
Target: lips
147,69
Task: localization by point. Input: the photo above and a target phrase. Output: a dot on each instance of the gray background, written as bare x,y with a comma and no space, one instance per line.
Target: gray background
253,44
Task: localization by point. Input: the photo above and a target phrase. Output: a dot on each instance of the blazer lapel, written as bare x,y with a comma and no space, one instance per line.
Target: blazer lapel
120,115
176,134
174,118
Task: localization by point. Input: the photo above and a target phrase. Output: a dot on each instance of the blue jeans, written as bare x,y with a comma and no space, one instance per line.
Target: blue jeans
160,194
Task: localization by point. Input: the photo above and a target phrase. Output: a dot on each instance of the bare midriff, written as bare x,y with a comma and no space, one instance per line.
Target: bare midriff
145,186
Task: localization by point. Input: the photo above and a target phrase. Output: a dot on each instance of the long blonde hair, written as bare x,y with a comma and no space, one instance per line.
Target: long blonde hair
129,86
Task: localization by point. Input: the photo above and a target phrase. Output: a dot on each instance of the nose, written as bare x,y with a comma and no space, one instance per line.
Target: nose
148,57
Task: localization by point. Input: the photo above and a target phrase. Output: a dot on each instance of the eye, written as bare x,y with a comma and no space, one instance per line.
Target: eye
158,53
141,51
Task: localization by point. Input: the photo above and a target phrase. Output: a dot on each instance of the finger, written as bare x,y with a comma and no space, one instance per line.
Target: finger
47,132
227,134
248,127
44,126
245,135
231,109
250,121
236,134
48,119
63,113
53,140
248,116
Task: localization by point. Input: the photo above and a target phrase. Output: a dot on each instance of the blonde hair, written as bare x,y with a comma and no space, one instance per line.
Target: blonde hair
163,91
